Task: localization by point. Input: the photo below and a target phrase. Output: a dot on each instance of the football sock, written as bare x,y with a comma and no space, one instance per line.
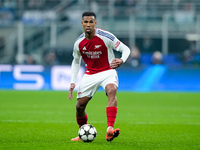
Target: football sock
81,120
111,116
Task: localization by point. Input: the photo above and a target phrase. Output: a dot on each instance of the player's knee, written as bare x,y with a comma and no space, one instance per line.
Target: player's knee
111,91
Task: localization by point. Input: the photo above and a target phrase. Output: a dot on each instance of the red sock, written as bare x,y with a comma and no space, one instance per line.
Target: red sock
111,115
81,120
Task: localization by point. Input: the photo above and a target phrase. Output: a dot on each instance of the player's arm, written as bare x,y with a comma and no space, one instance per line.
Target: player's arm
74,71
119,46
125,50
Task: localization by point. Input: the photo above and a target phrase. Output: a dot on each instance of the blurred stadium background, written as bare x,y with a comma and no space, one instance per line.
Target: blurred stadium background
164,37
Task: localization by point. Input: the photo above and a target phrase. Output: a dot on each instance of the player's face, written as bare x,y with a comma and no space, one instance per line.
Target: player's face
88,23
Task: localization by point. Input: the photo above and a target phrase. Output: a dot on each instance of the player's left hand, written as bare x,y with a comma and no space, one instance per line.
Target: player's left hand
116,63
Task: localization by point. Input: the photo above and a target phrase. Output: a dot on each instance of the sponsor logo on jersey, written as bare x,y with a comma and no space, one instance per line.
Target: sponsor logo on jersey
117,44
93,54
97,46
84,48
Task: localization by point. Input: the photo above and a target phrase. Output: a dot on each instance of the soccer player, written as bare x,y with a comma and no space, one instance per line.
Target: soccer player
95,46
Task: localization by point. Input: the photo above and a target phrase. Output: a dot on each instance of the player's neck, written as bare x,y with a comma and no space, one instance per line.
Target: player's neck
90,36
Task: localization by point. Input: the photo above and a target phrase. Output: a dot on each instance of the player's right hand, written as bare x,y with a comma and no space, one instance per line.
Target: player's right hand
72,86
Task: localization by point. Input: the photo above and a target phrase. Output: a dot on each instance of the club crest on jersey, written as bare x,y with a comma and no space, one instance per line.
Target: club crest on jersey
97,46
84,48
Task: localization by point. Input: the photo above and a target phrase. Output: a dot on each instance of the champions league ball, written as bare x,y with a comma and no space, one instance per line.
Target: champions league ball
87,133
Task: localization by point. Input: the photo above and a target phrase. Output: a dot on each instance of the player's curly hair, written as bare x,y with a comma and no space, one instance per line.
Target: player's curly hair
89,13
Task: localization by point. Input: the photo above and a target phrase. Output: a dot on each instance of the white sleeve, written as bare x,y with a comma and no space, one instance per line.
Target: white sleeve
75,65
125,52
119,46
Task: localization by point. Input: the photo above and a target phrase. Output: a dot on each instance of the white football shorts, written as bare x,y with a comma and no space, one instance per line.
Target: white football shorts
91,83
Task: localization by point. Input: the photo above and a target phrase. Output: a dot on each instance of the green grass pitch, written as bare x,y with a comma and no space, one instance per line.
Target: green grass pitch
41,120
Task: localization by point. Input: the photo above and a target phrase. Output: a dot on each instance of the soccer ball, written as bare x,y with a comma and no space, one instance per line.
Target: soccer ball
87,133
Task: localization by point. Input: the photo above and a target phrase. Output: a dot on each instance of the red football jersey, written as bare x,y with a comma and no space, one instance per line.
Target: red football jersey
97,53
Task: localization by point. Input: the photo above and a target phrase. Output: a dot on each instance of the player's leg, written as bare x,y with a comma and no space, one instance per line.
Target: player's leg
81,116
111,111
111,91
83,97
86,90
110,85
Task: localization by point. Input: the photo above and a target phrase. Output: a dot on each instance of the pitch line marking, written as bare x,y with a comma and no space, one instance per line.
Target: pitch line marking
50,121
